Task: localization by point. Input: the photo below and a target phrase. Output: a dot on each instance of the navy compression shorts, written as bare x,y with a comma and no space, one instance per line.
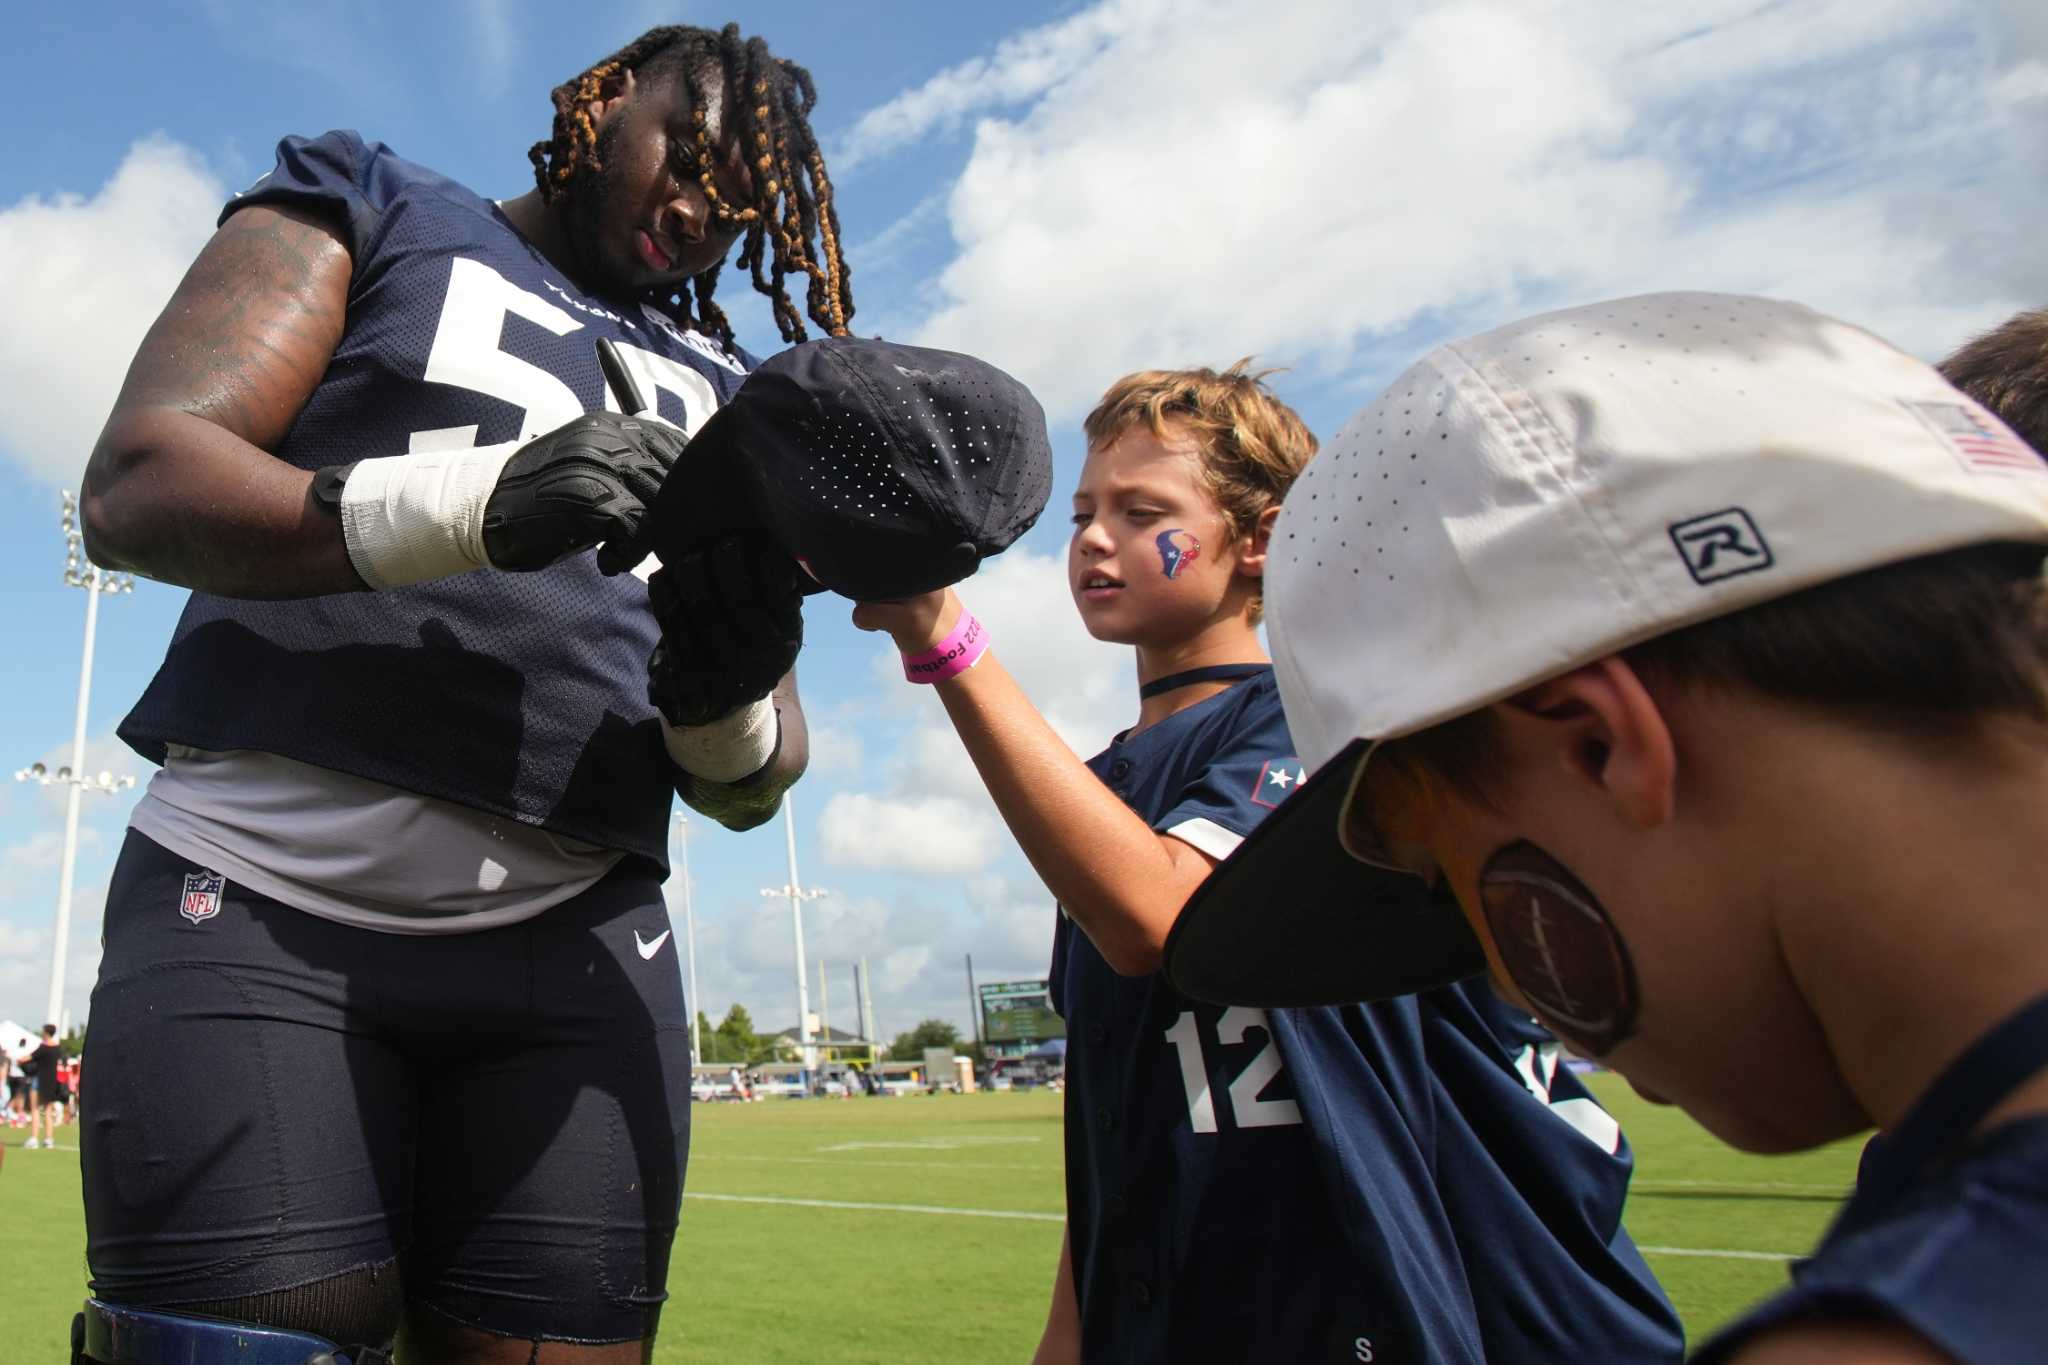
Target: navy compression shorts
279,1098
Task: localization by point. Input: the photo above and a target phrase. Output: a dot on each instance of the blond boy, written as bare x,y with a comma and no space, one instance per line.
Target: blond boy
1362,1184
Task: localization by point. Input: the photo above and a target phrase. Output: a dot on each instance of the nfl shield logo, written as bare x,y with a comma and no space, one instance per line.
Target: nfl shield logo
202,895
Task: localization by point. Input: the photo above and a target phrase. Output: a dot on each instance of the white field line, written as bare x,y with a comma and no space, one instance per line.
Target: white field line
1724,1255
885,1165
1650,1187
1751,1187
1023,1216
884,1208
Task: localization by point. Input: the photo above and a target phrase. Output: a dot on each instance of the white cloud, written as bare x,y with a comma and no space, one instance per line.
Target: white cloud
25,954
1084,688
929,834
835,749
85,278
932,813
27,862
915,944
30,872
2023,83
901,968
1023,66
2016,30
1426,169
886,247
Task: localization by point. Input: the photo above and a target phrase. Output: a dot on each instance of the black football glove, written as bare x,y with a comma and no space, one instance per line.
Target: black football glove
731,624
587,482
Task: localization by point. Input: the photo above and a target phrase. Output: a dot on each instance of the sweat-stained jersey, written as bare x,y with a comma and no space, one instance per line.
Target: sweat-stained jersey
1415,1181
523,695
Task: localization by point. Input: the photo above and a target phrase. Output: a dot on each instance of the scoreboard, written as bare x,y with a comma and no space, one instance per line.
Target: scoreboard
1019,1012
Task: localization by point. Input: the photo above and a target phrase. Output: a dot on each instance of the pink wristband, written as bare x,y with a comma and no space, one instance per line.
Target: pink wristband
952,656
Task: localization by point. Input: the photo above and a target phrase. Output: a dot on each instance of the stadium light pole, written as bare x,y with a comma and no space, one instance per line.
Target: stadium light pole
797,896
79,572
973,1001
690,938
863,990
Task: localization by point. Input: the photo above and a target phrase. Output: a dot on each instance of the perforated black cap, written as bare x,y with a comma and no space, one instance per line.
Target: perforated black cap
885,470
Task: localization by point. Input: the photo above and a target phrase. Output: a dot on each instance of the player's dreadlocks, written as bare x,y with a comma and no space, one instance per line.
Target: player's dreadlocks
791,206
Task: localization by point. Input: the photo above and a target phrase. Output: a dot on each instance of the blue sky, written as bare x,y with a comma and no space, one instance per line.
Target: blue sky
1070,191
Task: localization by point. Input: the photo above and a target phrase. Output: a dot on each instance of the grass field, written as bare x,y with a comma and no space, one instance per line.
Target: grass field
915,1230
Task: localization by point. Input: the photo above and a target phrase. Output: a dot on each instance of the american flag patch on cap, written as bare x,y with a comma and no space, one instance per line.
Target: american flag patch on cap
1982,442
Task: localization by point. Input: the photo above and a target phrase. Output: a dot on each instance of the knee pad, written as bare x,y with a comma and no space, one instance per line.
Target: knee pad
346,1319
109,1334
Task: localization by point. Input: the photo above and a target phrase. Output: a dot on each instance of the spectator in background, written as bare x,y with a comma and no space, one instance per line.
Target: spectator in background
46,1094
14,1091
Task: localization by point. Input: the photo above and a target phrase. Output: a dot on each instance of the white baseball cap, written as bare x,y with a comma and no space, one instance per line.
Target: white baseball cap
1534,498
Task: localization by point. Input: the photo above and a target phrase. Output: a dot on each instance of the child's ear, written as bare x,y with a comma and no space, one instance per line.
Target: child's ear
1251,560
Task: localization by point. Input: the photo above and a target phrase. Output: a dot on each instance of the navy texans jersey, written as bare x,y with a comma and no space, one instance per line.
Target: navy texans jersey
1378,1183
1946,1234
519,694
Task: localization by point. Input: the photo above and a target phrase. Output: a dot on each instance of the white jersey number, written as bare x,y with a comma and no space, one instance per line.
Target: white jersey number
466,354
1247,1108
1537,1066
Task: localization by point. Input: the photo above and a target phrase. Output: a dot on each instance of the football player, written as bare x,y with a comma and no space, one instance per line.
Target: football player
387,1025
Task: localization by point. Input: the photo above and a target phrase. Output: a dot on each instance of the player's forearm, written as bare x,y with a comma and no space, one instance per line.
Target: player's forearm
175,497
753,800
1120,881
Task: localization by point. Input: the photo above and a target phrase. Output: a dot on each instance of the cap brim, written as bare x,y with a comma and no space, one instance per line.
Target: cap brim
1291,919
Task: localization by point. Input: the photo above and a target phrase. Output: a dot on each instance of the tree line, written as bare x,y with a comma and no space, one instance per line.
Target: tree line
733,1040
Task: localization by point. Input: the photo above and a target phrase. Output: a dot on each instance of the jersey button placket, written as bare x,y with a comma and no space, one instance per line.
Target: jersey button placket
1105,1121
1118,771
1142,1292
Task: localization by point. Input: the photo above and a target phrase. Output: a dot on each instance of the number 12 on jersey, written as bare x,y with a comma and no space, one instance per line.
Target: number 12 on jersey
1245,1105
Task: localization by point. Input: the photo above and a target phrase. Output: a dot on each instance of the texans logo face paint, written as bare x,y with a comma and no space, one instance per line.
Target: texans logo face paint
1560,947
1177,550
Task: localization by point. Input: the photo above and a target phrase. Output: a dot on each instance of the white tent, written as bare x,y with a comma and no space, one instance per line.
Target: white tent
16,1041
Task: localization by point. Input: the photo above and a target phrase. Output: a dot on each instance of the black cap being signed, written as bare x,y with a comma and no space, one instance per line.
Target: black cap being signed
885,470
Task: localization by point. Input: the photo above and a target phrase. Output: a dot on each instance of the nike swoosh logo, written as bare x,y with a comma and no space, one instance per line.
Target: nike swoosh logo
648,950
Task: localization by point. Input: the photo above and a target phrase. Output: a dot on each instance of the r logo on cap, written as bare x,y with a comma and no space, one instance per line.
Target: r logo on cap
1721,545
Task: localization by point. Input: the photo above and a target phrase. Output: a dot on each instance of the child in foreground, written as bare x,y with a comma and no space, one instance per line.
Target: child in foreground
1697,647
1405,1182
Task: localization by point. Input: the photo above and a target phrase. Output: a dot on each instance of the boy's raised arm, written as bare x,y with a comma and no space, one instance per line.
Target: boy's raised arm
1120,880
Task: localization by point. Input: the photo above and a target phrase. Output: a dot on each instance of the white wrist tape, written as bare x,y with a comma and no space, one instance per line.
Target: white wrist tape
729,748
411,518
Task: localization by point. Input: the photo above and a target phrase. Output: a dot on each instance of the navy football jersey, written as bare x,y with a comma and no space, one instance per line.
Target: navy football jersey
1245,1184
519,694
1951,1243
